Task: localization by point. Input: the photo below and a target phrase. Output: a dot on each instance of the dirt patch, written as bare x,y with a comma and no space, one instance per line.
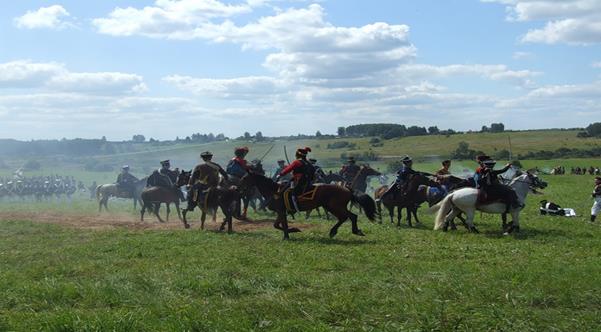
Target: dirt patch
109,221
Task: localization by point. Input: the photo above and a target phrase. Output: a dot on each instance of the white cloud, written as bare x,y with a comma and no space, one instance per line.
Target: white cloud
522,55
596,64
52,17
567,21
168,18
52,76
254,87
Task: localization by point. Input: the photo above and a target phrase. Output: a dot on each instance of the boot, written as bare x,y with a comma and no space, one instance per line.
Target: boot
294,202
593,217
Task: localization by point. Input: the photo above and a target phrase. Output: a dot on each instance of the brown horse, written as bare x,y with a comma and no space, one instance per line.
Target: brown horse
221,197
359,182
152,197
408,200
332,198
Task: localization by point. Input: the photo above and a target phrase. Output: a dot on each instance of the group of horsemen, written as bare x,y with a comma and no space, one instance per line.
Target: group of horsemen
39,186
299,176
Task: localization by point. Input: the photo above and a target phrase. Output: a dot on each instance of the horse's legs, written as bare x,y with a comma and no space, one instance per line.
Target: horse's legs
156,211
379,209
203,216
179,215
449,218
414,211
184,219
355,228
470,213
391,213
399,216
284,223
408,211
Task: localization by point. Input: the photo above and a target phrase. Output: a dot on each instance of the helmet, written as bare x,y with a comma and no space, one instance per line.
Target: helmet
489,163
165,163
206,155
302,152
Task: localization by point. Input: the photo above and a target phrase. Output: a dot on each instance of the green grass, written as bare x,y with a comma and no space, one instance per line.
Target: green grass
435,148
546,278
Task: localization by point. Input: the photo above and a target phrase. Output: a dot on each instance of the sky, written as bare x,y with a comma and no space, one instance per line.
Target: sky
168,68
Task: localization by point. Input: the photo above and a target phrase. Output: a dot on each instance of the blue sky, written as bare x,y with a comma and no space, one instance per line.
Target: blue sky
169,68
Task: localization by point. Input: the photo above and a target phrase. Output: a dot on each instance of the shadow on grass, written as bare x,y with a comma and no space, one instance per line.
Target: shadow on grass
528,233
335,241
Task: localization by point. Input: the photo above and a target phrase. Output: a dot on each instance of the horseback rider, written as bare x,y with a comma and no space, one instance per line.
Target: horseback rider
403,176
444,170
350,170
257,167
126,181
165,177
489,183
303,173
319,175
279,169
238,166
204,177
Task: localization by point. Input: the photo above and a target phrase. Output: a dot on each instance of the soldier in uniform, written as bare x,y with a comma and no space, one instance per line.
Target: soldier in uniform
319,173
279,169
444,170
302,174
126,181
489,182
204,177
350,170
257,167
165,177
597,197
403,176
238,166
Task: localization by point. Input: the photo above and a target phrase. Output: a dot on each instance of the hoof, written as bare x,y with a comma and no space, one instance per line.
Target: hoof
359,233
293,230
186,226
333,233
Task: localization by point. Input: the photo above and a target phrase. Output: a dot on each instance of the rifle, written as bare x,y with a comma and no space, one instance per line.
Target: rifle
286,154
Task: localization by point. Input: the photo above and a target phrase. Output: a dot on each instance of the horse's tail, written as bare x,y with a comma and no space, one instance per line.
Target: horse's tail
367,203
444,207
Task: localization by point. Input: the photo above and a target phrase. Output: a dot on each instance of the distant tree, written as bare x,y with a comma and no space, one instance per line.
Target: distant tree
341,131
484,129
247,135
103,139
416,131
497,127
318,134
433,130
594,129
138,138
259,136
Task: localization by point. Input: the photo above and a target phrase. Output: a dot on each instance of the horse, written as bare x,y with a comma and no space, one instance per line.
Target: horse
152,197
220,197
407,200
106,191
332,198
466,200
359,181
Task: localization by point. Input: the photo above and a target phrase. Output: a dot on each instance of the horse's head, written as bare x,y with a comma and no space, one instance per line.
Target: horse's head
183,178
535,181
368,171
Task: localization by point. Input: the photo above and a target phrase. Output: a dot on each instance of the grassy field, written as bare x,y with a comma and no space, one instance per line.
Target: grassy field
424,148
58,276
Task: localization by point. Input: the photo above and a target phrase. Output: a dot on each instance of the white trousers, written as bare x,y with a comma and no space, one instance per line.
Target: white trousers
596,206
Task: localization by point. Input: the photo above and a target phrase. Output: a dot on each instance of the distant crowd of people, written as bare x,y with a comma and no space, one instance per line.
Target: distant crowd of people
560,170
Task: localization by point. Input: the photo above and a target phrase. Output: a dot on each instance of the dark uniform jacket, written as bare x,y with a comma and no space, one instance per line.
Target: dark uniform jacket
207,174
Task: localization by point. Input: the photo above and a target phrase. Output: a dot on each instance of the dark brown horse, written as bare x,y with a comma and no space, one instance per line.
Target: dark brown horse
223,197
333,198
408,200
359,182
152,197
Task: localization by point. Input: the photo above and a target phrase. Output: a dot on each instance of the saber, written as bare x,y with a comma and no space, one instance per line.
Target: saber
286,154
266,153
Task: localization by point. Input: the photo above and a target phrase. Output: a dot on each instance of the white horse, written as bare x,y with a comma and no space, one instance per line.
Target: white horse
465,200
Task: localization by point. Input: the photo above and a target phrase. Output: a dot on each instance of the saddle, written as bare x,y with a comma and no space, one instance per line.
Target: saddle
307,196
483,198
